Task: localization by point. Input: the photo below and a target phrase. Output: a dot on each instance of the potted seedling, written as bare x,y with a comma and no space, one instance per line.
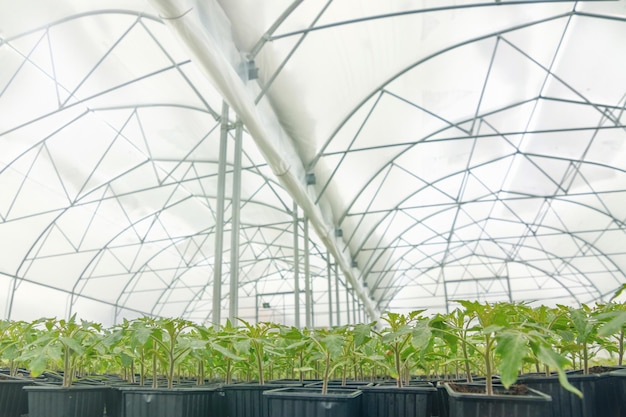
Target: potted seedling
63,347
254,342
295,353
167,342
404,338
581,336
14,336
500,334
327,347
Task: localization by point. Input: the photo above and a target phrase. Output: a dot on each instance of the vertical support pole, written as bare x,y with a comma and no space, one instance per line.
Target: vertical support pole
508,282
354,320
347,302
330,290
233,307
337,295
308,305
296,265
219,218
445,291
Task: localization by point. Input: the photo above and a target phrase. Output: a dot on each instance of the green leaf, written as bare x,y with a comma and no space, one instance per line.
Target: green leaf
362,334
558,362
37,365
512,348
334,344
126,360
421,335
242,345
73,344
618,292
614,325
140,335
226,352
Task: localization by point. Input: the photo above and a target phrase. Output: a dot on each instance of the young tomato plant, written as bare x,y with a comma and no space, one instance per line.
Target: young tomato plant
297,347
259,337
171,343
454,329
404,336
584,340
14,337
219,352
328,346
502,333
66,344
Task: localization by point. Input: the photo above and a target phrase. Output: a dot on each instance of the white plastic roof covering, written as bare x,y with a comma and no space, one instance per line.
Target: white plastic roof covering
465,150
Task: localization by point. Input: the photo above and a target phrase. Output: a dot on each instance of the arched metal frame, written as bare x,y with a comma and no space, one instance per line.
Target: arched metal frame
156,235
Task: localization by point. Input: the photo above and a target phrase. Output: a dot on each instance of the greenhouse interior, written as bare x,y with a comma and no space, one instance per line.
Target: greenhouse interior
315,165
312,163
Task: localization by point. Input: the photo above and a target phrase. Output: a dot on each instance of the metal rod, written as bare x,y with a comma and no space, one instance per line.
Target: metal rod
235,222
330,291
308,305
347,303
354,306
219,218
296,266
337,295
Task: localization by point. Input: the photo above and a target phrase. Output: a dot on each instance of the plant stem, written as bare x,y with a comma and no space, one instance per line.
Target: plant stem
620,358
396,355
259,360
585,359
326,374
488,365
155,383
67,381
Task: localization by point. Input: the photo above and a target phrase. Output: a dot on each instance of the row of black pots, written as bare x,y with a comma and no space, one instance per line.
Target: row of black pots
285,399
603,396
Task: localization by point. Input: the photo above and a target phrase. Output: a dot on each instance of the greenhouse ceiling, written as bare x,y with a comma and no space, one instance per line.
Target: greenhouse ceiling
311,162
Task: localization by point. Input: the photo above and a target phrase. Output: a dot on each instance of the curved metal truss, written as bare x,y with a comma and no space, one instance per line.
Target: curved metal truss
372,156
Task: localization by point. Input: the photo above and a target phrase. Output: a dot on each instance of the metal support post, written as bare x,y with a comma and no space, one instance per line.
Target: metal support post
354,308
308,305
296,265
347,303
219,218
233,297
337,295
330,292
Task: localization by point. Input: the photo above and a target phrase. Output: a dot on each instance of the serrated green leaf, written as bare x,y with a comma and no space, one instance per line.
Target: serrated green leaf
558,362
614,325
242,345
334,344
362,334
73,344
512,348
421,335
140,335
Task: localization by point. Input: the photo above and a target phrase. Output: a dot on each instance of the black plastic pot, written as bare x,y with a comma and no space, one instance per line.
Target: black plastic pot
387,400
246,399
441,405
163,402
13,399
55,401
534,404
440,398
618,385
598,394
310,402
